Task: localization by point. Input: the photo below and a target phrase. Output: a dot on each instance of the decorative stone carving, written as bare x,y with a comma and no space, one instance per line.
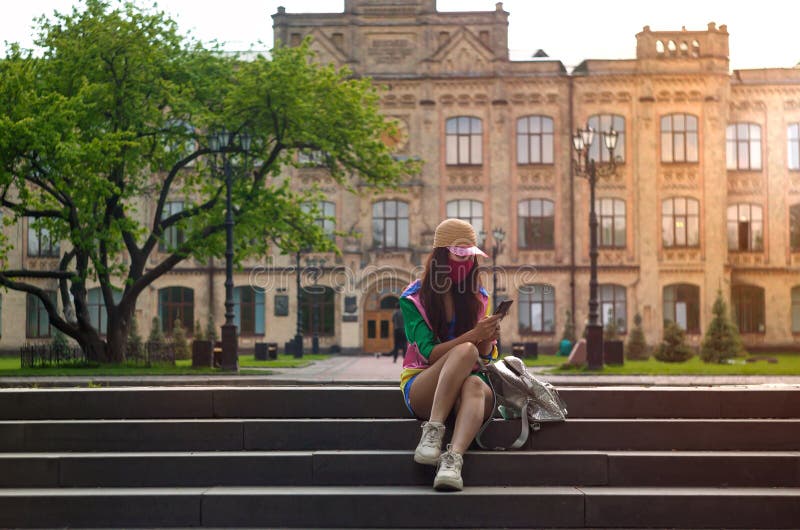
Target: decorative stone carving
744,183
611,256
536,179
681,255
678,177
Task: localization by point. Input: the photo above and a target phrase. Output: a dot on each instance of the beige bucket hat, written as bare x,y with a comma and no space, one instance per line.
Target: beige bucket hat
458,236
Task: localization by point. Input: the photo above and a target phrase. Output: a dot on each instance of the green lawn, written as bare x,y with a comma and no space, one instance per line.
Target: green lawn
788,364
10,367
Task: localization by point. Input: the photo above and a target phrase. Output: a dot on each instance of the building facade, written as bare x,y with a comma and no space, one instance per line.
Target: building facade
705,194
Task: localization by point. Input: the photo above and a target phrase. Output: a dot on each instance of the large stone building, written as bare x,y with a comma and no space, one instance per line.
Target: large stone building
705,194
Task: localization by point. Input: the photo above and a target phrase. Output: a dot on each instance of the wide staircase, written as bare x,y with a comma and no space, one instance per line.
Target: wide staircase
341,457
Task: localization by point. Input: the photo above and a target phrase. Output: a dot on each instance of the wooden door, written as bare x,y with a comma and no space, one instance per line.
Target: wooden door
378,336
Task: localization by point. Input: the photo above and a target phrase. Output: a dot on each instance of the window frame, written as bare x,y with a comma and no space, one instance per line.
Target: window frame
255,307
539,138
167,325
614,216
679,136
33,303
472,137
173,236
618,304
674,217
795,314
476,220
527,299
40,234
794,227
383,219
97,308
693,325
735,145
326,218
748,303
752,233
793,146
533,221
321,297
603,122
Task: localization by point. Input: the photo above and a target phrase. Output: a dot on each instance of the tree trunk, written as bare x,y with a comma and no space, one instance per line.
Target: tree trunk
93,346
119,321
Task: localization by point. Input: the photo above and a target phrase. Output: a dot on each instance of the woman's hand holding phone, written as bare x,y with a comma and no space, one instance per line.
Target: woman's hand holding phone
487,329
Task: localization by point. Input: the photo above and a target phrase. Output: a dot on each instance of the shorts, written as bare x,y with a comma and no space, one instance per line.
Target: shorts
407,390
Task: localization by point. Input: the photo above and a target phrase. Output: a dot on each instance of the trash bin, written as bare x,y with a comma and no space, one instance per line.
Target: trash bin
261,351
272,350
518,349
531,350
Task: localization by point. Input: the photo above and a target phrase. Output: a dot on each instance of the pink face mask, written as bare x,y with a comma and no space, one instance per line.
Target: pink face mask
459,269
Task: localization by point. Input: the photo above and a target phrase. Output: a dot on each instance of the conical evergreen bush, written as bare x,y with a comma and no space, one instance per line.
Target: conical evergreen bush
722,340
674,348
637,349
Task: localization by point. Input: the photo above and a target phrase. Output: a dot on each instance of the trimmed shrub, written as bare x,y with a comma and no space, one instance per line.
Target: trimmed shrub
569,328
637,349
156,335
674,348
722,340
179,343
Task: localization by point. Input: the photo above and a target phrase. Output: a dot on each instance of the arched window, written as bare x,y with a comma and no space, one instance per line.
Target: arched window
743,146
536,224
37,321
467,210
537,309
535,140
604,122
745,228
682,306
390,224
796,309
612,300
672,47
679,138
464,137
747,302
610,223
660,47
684,47
176,303
794,227
695,48
793,134
680,222
317,310
96,305
248,310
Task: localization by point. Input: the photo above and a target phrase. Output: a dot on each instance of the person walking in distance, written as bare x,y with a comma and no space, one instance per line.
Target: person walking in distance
399,332
448,335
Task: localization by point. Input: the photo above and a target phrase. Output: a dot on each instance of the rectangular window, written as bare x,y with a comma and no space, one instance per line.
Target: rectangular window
37,325
173,236
40,244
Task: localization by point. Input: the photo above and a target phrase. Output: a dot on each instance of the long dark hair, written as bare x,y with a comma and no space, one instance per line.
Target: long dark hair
466,297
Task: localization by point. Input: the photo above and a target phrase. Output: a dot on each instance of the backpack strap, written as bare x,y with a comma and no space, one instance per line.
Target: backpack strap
524,432
489,419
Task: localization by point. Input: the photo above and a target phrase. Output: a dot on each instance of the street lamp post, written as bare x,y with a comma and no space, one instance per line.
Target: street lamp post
298,336
222,143
498,235
587,167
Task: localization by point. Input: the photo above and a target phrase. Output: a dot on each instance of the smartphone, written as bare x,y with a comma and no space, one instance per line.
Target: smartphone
502,309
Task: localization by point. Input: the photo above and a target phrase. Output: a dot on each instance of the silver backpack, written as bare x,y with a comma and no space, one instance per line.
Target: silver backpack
518,394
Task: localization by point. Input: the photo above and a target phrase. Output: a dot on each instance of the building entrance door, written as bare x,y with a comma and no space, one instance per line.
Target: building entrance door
378,332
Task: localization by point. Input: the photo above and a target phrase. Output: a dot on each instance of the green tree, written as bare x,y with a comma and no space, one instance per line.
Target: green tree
111,121
569,328
211,328
636,349
134,339
611,331
674,348
721,340
198,331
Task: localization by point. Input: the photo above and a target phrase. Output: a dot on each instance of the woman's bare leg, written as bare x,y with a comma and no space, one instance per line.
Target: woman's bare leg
435,390
475,405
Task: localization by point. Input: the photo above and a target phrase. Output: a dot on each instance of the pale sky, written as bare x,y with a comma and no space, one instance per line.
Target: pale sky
762,34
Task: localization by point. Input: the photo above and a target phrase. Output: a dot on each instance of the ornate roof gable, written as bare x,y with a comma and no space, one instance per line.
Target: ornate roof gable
463,53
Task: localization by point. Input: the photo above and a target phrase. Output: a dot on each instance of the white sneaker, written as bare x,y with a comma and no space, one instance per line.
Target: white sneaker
448,475
430,444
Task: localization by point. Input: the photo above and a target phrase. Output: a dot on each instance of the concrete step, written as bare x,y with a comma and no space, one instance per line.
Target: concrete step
378,402
402,507
374,434
384,468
